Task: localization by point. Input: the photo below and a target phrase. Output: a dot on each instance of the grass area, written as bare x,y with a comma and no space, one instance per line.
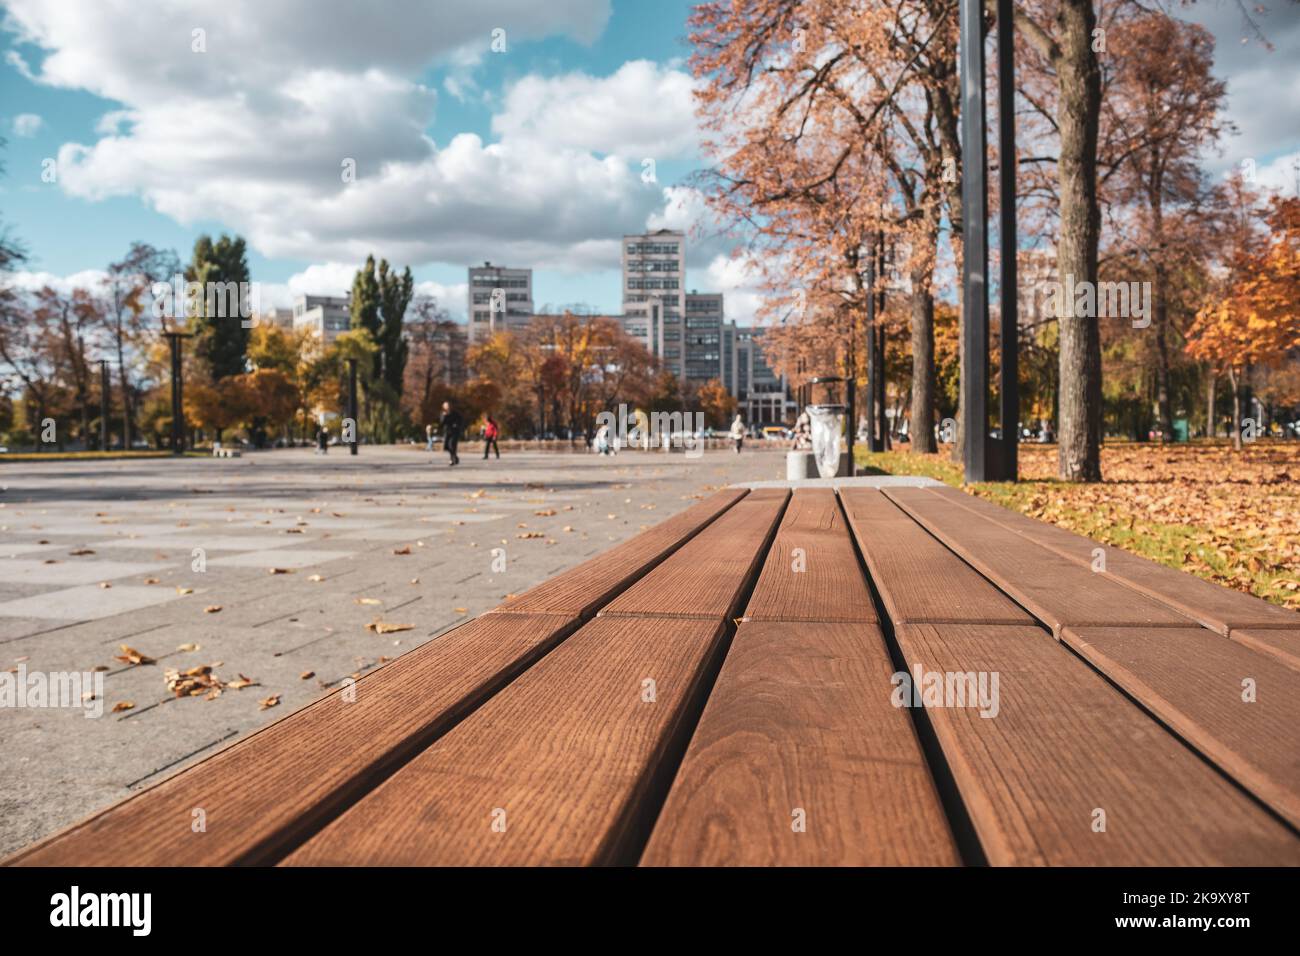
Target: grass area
92,455
1230,517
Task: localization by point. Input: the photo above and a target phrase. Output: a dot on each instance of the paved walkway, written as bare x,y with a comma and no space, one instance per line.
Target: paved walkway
270,568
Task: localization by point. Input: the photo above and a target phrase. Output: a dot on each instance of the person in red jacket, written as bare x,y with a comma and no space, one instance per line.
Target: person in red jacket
490,435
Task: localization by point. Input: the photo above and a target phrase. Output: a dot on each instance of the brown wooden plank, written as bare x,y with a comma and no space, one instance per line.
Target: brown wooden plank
811,572
1282,644
1218,608
263,793
1194,681
799,728
918,578
707,577
583,589
569,752
1054,589
1064,744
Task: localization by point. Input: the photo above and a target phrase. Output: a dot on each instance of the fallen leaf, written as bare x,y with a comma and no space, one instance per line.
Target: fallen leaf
316,577
272,701
368,601
150,580
130,655
280,570
122,705
188,647
404,549
80,551
212,609
387,627
184,590
306,675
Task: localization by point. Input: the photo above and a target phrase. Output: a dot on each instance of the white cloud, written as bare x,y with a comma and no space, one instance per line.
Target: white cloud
28,281
27,125
640,111
253,133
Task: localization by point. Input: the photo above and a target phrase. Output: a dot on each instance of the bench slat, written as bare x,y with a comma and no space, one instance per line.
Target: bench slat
1192,679
800,719
917,577
707,577
570,752
1057,591
829,585
261,794
1218,608
1065,744
583,589
1282,644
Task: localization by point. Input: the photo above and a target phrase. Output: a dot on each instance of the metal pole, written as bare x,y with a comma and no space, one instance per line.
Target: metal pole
974,270
873,370
352,404
1007,279
103,404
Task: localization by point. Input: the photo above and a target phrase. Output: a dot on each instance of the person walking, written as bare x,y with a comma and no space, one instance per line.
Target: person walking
490,434
738,432
428,438
322,440
452,425
602,439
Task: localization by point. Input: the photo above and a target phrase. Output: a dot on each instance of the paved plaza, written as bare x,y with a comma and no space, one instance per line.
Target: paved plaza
284,572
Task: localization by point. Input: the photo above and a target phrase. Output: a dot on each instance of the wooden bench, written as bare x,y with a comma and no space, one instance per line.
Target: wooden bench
725,688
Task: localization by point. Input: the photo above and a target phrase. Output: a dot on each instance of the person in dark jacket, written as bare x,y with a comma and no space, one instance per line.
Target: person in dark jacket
452,425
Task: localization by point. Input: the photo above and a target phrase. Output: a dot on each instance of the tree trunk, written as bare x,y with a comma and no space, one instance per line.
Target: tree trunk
923,378
1079,83
1236,409
126,398
1209,405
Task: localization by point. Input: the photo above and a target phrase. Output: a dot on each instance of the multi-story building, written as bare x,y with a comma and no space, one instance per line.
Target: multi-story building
702,337
763,396
324,315
500,298
654,294
278,316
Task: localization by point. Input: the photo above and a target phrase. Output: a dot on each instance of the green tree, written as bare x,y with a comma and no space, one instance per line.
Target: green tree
394,296
221,340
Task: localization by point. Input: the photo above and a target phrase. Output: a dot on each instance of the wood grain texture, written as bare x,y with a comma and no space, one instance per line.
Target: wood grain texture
261,794
811,572
1195,681
1064,744
569,752
1219,608
800,719
706,579
583,589
1054,589
1282,644
918,578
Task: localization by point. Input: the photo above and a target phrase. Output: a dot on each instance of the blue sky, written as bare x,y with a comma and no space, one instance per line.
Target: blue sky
528,157
71,231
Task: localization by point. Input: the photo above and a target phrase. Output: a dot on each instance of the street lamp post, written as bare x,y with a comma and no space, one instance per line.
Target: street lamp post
103,404
178,385
986,458
352,404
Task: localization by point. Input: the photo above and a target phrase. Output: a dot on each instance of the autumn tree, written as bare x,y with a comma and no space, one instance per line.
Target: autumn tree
1255,319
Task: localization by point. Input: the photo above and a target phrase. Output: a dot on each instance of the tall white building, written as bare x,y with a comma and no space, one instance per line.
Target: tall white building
325,315
654,294
500,298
